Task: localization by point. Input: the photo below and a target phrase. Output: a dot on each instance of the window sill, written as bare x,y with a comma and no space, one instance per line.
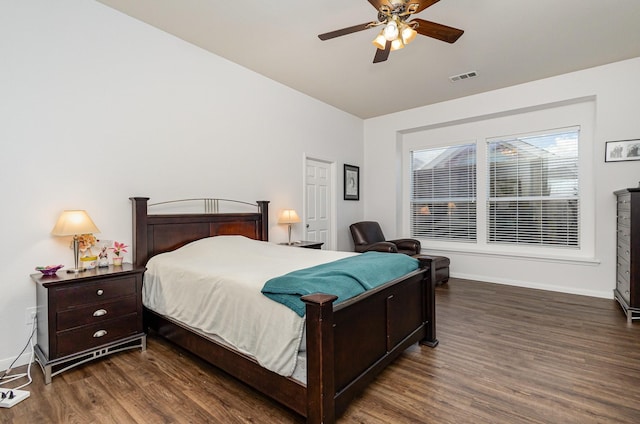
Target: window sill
531,256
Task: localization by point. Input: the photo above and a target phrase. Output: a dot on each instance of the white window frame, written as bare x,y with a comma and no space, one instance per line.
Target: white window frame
575,113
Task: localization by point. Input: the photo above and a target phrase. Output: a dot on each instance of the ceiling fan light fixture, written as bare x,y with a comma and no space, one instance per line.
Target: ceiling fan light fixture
397,44
408,34
380,42
391,31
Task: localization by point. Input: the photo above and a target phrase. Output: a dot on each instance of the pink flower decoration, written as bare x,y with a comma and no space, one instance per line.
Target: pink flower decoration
119,247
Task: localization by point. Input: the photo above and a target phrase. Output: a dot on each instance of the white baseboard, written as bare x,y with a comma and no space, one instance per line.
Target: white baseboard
22,360
540,286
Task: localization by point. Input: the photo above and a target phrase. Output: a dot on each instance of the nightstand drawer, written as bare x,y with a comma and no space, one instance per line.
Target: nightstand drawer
96,313
84,294
89,337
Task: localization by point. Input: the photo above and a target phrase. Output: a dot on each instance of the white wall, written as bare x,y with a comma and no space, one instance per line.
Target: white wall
96,107
615,89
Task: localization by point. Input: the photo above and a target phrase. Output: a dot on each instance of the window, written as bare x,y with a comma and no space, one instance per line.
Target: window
533,196
443,193
512,184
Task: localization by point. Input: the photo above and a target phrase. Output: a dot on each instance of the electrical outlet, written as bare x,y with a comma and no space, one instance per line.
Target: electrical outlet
10,397
29,315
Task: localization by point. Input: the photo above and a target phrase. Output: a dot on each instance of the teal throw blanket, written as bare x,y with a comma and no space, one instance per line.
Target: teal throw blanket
344,278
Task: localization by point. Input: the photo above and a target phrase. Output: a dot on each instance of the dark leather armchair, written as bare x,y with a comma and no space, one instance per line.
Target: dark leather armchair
367,235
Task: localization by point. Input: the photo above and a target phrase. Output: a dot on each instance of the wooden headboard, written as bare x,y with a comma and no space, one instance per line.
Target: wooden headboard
153,234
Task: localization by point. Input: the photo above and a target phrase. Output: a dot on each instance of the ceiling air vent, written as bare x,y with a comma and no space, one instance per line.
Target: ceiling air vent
465,76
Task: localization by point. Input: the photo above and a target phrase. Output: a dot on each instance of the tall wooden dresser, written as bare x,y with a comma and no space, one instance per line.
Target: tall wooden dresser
627,291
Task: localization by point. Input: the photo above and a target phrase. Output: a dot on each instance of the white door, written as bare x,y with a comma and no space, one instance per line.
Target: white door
318,209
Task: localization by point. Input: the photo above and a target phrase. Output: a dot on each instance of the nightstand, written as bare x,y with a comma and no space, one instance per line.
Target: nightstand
305,244
87,315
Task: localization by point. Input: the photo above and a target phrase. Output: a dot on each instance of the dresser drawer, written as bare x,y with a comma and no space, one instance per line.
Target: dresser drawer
624,218
624,250
624,202
87,293
95,313
623,277
624,288
92,336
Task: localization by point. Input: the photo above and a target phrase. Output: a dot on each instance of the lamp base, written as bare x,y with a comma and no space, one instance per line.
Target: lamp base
75,270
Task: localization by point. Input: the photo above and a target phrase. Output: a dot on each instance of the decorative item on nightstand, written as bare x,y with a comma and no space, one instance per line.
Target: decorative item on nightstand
289,216
76,223
117,249
103,258
89,262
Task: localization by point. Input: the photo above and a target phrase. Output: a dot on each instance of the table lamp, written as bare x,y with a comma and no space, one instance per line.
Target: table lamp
74,223
289,216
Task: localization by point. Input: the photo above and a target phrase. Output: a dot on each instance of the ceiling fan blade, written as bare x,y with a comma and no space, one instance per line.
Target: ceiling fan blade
382,55
378,3
343,31
423,4
438,31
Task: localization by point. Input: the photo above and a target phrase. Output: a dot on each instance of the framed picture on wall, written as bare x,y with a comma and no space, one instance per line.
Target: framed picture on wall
617,151
351,182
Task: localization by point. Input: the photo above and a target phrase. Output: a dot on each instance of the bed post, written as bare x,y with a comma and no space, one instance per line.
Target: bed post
263,207
139,243
320,352
429,300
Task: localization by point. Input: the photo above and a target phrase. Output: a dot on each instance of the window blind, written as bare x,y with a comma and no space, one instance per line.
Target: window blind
533,196
443,193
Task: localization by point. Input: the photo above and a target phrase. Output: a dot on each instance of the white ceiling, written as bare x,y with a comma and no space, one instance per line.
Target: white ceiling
507,42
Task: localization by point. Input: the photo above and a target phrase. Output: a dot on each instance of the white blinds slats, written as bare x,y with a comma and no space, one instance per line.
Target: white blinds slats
533,189
443,193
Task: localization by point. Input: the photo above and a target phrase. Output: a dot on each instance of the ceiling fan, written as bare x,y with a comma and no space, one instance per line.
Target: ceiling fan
397,31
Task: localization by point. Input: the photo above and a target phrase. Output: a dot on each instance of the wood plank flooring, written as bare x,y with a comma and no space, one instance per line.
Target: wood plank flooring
506,355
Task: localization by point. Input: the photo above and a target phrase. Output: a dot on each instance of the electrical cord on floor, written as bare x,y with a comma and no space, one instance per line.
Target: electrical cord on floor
6,378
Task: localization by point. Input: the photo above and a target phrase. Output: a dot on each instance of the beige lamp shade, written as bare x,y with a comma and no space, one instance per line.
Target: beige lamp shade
288,216
73,222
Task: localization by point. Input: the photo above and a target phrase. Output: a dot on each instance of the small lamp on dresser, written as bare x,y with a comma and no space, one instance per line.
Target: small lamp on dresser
289,216
74,223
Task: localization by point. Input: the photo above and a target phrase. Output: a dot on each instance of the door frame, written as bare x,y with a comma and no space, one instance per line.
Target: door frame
333,209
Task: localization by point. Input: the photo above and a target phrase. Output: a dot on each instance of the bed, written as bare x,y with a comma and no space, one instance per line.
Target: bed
347,343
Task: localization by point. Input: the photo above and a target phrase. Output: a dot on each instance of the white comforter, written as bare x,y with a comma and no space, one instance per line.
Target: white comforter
213,285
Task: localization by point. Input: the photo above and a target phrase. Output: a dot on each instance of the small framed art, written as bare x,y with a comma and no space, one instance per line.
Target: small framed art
621,150
351,182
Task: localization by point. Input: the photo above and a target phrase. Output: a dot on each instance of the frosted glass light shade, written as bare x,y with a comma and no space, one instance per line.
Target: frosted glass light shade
380,42
408,34
397,44
391,31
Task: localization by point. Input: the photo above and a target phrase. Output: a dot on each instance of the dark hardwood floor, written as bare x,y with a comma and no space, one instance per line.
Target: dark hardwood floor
506,355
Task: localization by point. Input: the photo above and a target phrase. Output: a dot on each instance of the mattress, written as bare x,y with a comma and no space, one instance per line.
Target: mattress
213,285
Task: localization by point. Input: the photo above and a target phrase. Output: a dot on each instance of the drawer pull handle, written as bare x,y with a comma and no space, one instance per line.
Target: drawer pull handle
100,292
100,312
100,333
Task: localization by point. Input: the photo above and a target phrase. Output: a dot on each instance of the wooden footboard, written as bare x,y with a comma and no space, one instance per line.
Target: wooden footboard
349,344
